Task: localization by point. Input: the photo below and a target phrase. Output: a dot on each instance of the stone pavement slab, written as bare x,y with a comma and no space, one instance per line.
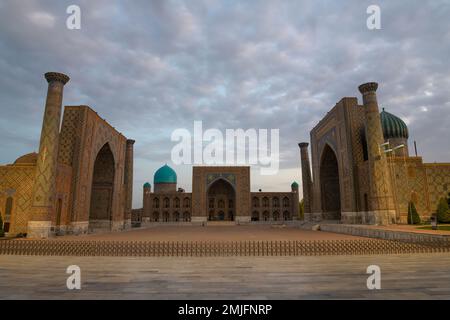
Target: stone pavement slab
419,276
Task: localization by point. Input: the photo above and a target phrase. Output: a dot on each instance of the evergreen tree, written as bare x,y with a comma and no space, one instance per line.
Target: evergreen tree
442,211
413,216
301,210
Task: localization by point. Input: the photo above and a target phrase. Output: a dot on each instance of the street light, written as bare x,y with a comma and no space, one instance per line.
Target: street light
391,151
400,146
383,146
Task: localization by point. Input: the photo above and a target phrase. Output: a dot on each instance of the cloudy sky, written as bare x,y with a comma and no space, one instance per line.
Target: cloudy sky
150,67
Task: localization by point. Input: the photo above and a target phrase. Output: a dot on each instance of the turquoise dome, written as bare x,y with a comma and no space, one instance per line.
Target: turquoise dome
165,174
393,126
147,185
294,184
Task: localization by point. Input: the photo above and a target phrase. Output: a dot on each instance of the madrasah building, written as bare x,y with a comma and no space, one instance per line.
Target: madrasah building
80,181
361,170
218,194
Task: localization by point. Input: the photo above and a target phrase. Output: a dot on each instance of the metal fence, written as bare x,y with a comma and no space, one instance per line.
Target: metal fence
216,249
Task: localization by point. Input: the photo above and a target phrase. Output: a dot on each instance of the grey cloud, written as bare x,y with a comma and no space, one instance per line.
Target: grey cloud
149,67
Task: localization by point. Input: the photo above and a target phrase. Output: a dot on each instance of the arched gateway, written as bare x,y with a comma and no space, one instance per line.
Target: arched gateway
329,185
100,213
221,201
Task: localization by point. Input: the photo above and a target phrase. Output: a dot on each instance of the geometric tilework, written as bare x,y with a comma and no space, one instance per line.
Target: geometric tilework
83,134
438,177
47,162
372,180
58,187
18,181
92,134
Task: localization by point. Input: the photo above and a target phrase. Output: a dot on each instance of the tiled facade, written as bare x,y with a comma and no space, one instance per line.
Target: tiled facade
219,194
93,162
354,181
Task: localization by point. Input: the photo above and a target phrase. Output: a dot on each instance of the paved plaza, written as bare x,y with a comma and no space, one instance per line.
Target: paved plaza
419,276
215,233
403,276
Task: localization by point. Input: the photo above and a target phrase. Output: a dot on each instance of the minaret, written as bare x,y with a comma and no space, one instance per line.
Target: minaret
146,205
43,200
381,203
306,177
129,156
295,201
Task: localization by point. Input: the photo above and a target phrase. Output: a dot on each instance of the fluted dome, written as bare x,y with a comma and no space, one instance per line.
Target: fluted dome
147,185
393,126
165,174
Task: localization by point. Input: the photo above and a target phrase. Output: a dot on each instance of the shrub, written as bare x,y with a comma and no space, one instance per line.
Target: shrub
301,210
413,216
442,211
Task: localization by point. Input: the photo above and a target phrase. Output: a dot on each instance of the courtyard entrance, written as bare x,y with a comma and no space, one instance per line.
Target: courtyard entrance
221,201
329,185
100,213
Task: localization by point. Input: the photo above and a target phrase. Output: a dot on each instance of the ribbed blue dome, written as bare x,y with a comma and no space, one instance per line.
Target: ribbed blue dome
147,185
393,126
165,174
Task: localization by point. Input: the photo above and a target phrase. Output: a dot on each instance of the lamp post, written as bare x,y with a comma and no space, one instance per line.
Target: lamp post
404,161
391,151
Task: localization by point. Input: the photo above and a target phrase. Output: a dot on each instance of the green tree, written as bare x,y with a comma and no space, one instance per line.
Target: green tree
442,211
301,211
413,216
2,232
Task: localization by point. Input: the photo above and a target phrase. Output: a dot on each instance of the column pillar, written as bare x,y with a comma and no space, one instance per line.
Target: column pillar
43,200
306,179
295,210
381,202
129,158
146,204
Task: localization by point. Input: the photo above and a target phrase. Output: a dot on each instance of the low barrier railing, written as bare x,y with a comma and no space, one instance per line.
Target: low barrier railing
216,248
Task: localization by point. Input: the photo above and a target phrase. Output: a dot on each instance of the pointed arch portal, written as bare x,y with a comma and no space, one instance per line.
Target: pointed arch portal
329,184
221,192
100,213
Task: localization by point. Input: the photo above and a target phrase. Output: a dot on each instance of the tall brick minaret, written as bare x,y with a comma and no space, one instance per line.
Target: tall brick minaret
45,178
129,158
381,203
306,179
295,206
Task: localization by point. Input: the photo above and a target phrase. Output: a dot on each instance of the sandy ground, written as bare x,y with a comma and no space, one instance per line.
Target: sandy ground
216,233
